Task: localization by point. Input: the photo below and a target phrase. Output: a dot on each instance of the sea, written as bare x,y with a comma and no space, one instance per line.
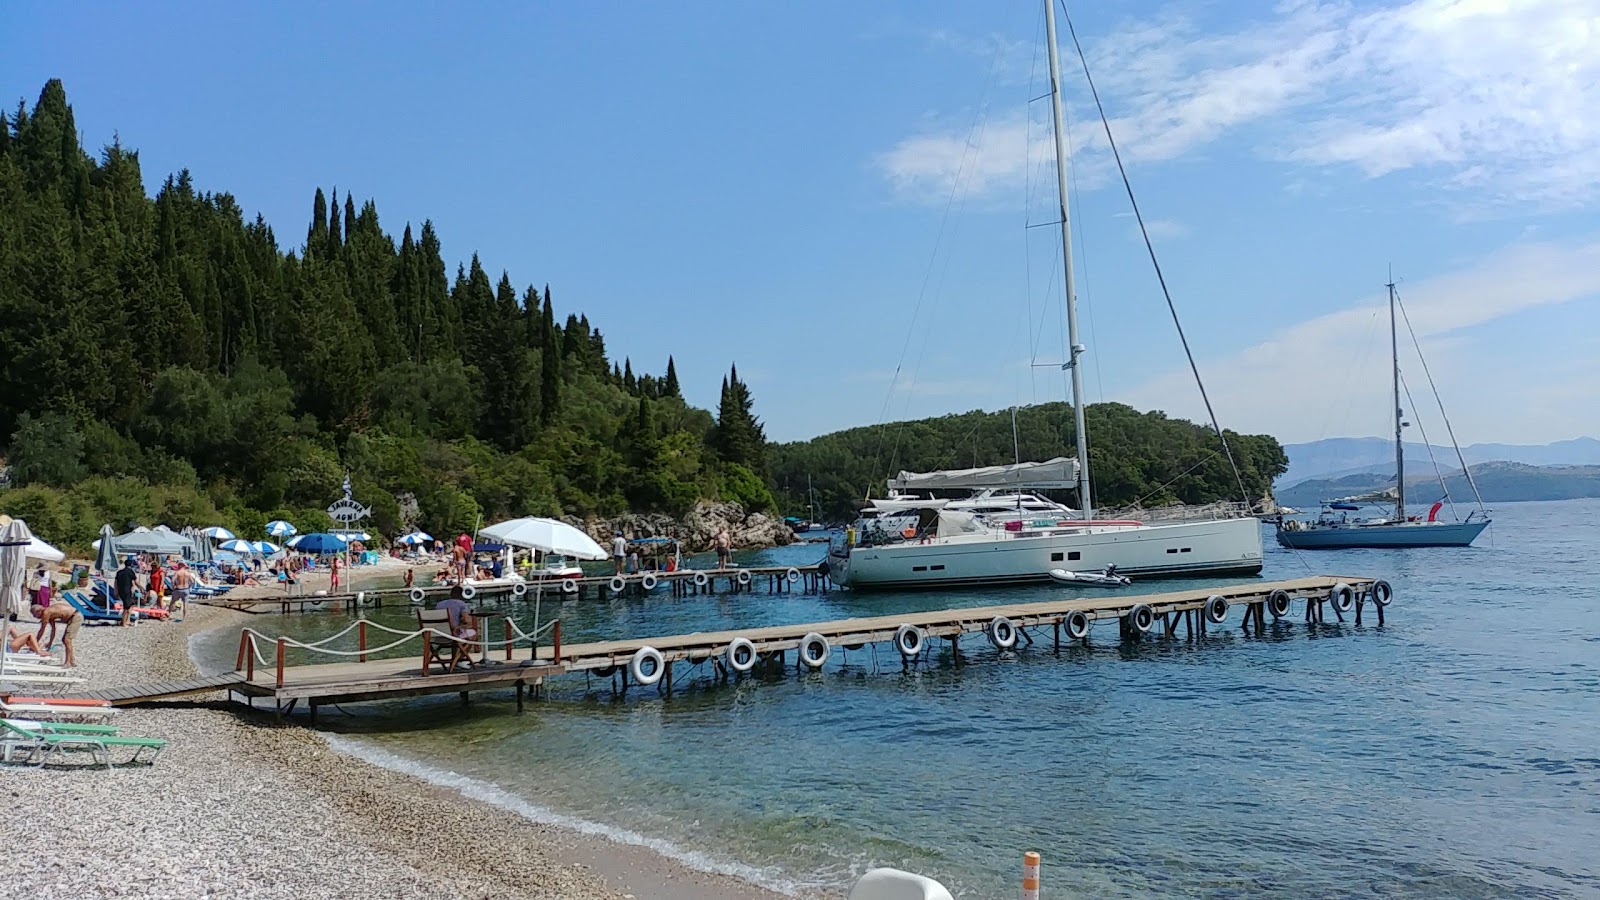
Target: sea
1452,752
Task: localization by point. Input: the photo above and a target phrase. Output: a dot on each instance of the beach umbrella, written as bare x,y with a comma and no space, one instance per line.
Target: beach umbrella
202,547
350,536
548,535
266,548
414,538
43,552
278,528
105,557
160,543
217,532
15,539
319,542
238,545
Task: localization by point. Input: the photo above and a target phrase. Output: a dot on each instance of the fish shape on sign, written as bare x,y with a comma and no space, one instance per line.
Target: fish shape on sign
348,510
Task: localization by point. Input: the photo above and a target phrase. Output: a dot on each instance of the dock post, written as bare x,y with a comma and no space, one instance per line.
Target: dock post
1361,600
521,690
666,678
508,638
1030,876
313,707
280,662
363,634
1057,628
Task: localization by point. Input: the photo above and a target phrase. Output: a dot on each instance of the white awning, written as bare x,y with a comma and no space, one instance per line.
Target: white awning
902,505
1054,474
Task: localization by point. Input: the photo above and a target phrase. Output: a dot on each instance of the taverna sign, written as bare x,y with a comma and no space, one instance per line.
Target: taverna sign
348,511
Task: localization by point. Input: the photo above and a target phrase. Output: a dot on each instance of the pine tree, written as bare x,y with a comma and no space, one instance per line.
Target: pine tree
317,234
740,437
335,245
549,364
670,387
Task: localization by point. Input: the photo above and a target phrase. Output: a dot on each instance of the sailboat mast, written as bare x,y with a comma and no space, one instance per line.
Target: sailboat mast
1399,417
1066,262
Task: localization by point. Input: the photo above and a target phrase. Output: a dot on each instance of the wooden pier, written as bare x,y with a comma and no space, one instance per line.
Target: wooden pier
775,579
263,672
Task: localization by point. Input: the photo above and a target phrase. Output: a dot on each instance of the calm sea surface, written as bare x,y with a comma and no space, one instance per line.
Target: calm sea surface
1454,752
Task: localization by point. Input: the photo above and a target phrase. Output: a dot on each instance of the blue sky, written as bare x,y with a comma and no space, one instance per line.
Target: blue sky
824,192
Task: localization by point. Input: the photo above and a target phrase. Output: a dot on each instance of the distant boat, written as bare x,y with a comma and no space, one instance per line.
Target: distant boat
1336,529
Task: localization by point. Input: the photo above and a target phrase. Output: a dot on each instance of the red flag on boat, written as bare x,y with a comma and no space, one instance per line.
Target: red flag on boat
1433,511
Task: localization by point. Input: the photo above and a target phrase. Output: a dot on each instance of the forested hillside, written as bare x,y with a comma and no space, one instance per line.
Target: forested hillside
1146,458
171,359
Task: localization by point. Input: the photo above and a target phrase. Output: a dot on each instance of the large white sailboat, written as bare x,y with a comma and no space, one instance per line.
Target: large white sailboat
955,543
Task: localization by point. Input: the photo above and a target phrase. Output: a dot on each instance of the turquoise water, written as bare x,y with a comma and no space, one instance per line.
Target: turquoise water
1450,753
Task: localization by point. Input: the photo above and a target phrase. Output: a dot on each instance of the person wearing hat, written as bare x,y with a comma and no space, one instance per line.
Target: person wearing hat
619,550
127,588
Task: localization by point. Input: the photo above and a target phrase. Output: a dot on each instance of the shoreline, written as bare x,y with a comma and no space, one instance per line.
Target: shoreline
236,806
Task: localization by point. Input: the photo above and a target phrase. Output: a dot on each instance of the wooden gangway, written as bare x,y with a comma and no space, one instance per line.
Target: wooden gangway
265,673
808,579
132,695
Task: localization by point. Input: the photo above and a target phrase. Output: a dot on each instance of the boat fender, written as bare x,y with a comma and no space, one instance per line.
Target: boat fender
908,640
519,589
814,650
1002,634
1343,597
1216,609
468,592
1141,617
1278,603
617,583
418,596
741,655
743,578
1077,624
1381,593
569,585
793,574
647,666
648,582
701,579
317,603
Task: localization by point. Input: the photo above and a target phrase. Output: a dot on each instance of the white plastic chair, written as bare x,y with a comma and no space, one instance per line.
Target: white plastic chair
893,884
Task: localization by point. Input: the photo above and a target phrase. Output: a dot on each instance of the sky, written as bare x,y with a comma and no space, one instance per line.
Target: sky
855,202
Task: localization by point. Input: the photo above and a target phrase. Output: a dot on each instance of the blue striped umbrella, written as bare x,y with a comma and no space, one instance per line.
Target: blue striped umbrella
278,528
267,548
238,546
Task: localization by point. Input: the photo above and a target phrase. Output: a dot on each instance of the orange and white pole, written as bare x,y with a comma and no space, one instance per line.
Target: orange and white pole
1030,876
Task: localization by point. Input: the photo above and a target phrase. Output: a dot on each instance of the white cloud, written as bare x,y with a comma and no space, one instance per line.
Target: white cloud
1299,382
1496,97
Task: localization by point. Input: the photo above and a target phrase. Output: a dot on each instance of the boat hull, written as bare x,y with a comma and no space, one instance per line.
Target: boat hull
1226,546
1414,534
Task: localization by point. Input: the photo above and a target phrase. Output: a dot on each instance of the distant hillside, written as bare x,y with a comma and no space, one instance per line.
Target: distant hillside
1337,457
1500,482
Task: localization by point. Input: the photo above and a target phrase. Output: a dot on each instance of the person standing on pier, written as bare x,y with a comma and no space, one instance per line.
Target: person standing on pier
126,588
619,551
724,548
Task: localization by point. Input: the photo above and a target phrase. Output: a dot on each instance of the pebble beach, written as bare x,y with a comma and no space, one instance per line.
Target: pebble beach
239,806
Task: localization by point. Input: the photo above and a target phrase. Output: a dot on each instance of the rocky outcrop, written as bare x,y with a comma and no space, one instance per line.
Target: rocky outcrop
697,528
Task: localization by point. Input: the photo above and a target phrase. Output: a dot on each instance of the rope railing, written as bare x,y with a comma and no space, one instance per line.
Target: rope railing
250,642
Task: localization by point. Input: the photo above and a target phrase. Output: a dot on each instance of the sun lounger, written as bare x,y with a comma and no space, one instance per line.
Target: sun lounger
36,741
42,708
39,682
91,609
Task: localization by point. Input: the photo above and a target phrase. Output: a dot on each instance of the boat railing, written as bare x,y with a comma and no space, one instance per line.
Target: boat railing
1185,513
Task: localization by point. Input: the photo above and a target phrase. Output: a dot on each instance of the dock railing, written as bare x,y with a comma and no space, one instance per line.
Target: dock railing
251,642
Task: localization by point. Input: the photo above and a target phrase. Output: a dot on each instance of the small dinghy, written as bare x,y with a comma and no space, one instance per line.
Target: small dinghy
1107,578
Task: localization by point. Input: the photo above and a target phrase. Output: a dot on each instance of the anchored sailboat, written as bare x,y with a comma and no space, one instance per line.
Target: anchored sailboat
1003,535
1336,529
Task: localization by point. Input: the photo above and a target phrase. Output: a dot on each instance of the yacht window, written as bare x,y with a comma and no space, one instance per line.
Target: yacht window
1055,557
1074,555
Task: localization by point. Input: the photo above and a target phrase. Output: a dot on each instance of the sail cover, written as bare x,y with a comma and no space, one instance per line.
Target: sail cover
1053,474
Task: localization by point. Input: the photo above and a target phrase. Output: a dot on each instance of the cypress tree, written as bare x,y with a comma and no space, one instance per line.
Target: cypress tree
670,388
335,242
317,234
628,382
350,215
549,364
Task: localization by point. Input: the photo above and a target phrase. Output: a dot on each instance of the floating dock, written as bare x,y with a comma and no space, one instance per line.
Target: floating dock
775,579
522,662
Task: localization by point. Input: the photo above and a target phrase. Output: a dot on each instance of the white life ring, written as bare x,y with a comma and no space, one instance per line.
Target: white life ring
908,639
1216,609
647,656
741,655
814,650
569,585
793,574
1077,624
519,589
418,596
1002,633
1381,593
316,603
700,579
468,591
1278,603
648,582
743,578
617,584
1141,617
1343,597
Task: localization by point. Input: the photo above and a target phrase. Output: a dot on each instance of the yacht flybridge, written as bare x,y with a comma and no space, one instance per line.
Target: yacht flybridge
1003,533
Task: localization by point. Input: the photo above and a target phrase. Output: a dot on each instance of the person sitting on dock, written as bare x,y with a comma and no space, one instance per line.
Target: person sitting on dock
463,624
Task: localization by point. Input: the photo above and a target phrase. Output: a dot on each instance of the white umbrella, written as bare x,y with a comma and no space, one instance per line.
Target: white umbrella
548,535
278,528
415,537
43,552
15,539
217,532
160,543
351,536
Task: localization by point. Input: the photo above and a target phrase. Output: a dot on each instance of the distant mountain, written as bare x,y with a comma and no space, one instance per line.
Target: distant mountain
1338,457
1500,482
